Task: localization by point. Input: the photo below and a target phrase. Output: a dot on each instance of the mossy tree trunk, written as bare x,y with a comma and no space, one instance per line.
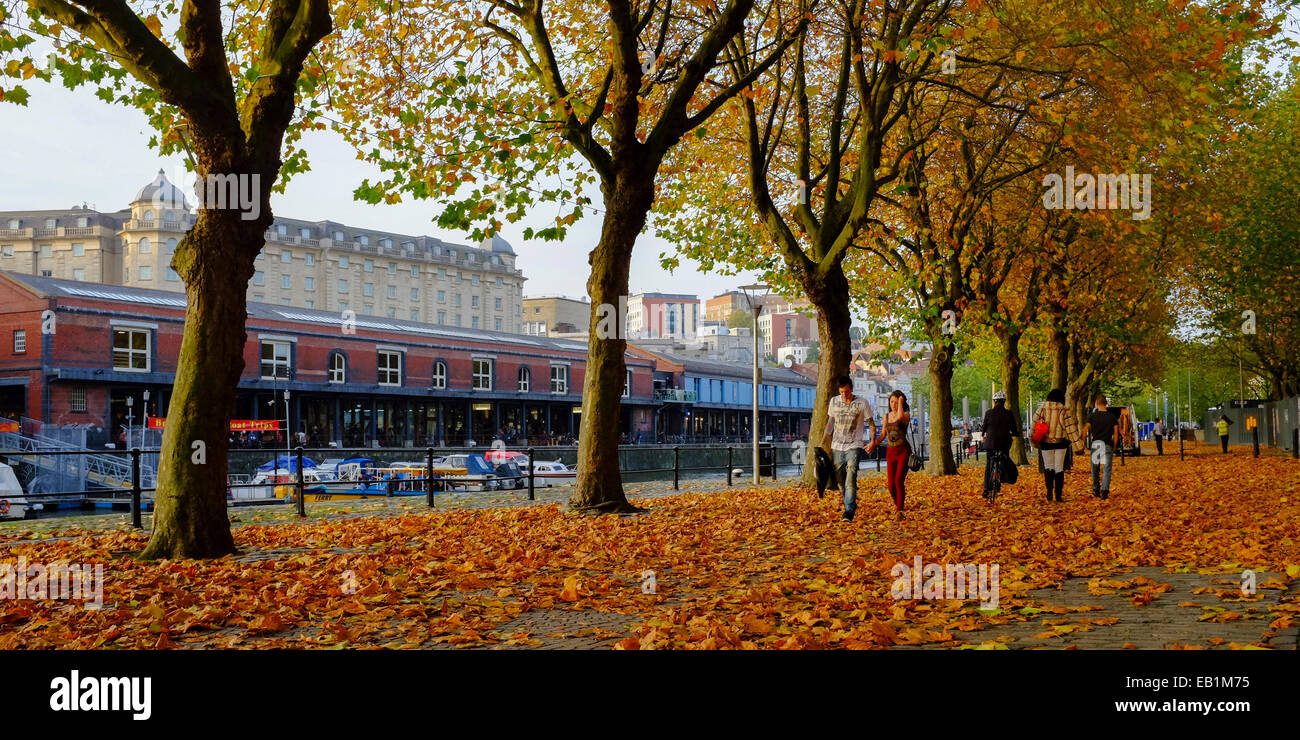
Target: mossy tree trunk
828,291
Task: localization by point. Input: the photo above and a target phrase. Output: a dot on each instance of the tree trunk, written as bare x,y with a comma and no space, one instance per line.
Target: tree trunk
1060,347
1011,362
829,293
599,486
215,259
941,366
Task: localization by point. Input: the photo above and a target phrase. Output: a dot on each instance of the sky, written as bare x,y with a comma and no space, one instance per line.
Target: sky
67,147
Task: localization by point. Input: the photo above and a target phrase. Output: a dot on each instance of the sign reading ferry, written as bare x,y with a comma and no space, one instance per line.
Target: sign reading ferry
236,425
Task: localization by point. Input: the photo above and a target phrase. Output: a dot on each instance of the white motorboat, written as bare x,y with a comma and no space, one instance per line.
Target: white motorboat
553,473
13,502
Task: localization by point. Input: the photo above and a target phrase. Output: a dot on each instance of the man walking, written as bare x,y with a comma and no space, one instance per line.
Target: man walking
1102,428
998,426
847,416
1158,431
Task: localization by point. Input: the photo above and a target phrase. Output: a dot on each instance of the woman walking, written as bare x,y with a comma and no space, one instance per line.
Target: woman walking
894,434
1057,432
1224,421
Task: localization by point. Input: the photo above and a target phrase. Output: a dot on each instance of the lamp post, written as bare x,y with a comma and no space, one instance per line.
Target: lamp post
130,419
754,295
144,414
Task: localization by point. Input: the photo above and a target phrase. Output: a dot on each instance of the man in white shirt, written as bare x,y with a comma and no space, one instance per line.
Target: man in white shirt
847,416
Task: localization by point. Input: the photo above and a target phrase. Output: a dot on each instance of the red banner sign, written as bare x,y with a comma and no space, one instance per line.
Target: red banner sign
9,426
236,425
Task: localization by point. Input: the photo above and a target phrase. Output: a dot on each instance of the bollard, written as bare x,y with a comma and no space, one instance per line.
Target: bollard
1254,440
1121,453
1295,443
531,479
676,465
1180,445
136,504
302,503
728,467
428,473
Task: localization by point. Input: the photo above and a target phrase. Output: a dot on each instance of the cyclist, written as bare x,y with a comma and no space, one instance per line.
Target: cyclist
999,425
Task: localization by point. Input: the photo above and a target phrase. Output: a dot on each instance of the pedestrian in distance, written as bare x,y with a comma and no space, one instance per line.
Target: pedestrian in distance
1055,430
846,417
1224,423
1103,431
898,451
998,429
1158,433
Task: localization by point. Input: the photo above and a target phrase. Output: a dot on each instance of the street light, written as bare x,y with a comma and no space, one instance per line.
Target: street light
144,412
754,295
130,418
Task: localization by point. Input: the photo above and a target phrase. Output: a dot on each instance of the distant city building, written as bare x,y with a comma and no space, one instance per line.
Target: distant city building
780,329
546,315
657,315
321,265
797,352
720,307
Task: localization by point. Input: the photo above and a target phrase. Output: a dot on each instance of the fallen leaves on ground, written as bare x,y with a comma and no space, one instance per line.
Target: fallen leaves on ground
769,568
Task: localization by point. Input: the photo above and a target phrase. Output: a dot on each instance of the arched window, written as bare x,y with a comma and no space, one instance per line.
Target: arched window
148,216
171,245
439,375
525,379
144,246
338,367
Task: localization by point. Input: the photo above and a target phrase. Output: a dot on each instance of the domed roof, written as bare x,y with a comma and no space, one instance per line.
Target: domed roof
496,244
161,192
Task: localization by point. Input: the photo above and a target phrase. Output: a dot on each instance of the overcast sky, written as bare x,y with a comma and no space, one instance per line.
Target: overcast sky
68,147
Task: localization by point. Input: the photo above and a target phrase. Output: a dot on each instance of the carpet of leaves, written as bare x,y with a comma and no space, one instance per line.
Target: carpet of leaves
773,568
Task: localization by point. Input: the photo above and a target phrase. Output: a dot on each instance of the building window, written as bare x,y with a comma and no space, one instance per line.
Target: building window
77,404
474,281
131,349
415,271
286,282
363,239
309,259
275,360
442,317
415,294
390,368
497,303
392,291
473,301
368,265
457,320
368,289
338,236
7,250
368,309
439,379
392,313
20,341
146,272
627,385
281,229
559,378
343,305
525,378
498,282
497,324
343,286
442,274
415,314
304,232
473,322
482,378
442,296
78,250
455,299
309,283
79,273
286,256
310,304
343,262
46,250
392,268
145,247
259,278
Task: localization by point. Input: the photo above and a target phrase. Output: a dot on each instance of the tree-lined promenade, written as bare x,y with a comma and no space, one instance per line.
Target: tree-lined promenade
1042,183
753,568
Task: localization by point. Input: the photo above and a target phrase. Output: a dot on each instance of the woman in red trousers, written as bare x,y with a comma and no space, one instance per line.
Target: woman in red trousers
894,434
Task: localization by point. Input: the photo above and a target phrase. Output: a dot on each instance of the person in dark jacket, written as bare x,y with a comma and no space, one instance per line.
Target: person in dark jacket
998,428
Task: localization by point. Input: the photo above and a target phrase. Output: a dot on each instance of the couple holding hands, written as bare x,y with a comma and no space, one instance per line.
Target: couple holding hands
848,415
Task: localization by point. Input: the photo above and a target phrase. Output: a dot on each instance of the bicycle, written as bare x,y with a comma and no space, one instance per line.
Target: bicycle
995,483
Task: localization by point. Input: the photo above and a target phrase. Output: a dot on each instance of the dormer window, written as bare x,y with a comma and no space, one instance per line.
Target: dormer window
15,224
363,240
82,222
281,229
385,243
338,236
148,216
50,223
305,233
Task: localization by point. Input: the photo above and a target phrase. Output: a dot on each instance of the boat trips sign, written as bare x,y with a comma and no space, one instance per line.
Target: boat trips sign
236,425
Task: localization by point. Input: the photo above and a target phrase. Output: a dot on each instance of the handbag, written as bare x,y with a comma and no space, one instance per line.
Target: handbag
1010,471
914,460
1040,433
